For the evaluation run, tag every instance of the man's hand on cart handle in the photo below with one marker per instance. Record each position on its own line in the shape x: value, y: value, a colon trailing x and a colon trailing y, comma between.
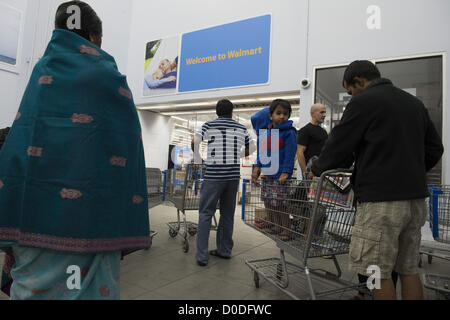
x: 256, y: 174
x: 284, y: 177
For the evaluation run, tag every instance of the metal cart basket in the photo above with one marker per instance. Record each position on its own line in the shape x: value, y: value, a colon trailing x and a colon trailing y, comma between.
x: 182, y: 189
x: 307, y: 219
x: 439, y: 214
x: 154, y: 187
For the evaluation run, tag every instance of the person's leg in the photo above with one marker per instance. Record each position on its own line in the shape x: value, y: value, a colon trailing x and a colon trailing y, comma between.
x: 387, y: 291
x: 209, y: 195
x: 409, y: 252
x: 412, y: 288
x: 395, y: 278
x: 375, y: 242
x: 225, y: 230
x: 42, y: 274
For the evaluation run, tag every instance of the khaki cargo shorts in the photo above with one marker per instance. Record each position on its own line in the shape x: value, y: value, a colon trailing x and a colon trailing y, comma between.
x: 388, y: 235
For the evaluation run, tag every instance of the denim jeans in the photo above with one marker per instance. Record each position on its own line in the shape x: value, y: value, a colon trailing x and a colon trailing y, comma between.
x: 211, y: 193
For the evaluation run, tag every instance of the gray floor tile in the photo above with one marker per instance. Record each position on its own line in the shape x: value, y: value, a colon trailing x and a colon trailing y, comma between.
x: 129, y: 291
x: 201, y: 287
x: 149, y: 296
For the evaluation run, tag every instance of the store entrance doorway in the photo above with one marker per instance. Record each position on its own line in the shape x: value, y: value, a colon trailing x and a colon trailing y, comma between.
x: 420, y: 76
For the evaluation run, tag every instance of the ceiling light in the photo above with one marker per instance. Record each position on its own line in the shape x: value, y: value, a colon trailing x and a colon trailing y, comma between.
x: 181, y: 119
x: 188, y: 112
x: 292, y: 97
x: 197, y: 104
x: 243, y: 100
x: 155, y: 107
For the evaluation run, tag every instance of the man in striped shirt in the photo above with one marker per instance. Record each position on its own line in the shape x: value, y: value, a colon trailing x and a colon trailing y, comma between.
x: 228, y: 142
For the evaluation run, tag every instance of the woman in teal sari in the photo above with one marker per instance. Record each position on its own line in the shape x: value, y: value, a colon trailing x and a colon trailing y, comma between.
x: 73, y: 192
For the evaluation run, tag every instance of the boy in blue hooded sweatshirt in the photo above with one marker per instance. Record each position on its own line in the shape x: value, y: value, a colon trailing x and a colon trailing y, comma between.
x: 275, y: 161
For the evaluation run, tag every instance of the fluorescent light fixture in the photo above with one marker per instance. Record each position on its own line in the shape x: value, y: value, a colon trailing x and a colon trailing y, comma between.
x: 154, y: 107
x: 180, y: 113
x: 292, y: 97
x: 295, y: 106
x: 181, y: 119
x: 243, y: 100
x: 180, y: 126
x: 197, y: 104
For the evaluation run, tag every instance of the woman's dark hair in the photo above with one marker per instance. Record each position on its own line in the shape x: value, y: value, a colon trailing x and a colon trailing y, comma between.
x: 360, y: 68
x: 225, y: 108
x: 3, y: 135
x: 90, y: 22
x: 282, y: 103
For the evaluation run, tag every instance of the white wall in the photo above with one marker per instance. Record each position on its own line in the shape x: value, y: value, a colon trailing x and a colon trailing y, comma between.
x: 116, y: 18
x: 38, y: 27
x: 154, y: 20
x: 339, y: 34
x: 156, y: 130
x: 10, y: 82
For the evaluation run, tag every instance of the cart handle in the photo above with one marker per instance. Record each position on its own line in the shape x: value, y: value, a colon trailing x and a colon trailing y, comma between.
x: 244, y: 187
x: 435, y: 206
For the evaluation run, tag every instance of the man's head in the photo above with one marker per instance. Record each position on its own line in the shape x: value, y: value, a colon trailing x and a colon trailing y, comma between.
x: 225, y: 108
x: 280, y: 111
x: 165, y: 66
x: 318, y: 114
x: 359, y: 75
x: 3, y: 135
x: 91, y: 25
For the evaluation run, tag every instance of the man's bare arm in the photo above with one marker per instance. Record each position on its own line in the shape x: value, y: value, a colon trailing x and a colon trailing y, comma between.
x: 301, y: 157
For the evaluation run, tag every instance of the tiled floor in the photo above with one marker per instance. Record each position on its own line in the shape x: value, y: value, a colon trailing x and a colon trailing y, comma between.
x: 165, y: 272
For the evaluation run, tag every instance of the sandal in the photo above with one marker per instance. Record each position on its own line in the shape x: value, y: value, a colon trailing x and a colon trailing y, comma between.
x: 216, y: 253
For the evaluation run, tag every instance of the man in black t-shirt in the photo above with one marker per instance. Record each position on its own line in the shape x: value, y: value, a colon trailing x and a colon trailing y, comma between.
x: 312, y: 138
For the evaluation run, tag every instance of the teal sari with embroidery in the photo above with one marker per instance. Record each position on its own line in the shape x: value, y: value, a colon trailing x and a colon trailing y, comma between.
x: 72, y: 173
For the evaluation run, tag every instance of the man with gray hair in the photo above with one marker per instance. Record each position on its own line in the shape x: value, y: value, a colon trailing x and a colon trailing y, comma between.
x: 312, y: 138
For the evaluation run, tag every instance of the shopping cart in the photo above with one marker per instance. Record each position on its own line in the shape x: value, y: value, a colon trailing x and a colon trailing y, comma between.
x: 154, y: 187
x: 439, y: 215
x: 182, y: 189
x: 307, y: 219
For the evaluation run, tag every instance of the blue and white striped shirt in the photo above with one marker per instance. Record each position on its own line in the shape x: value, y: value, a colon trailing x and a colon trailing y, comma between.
x: 227, y: 140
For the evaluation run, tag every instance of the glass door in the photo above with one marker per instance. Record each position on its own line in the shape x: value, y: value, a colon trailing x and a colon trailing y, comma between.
x: 422, y: 77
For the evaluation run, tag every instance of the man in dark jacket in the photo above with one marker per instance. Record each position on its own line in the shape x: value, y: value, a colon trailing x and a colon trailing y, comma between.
x: 395, y: 144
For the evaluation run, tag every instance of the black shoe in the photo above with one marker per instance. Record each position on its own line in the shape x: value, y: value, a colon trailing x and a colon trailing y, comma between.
x: 216, y: 253
x: 202, y: 264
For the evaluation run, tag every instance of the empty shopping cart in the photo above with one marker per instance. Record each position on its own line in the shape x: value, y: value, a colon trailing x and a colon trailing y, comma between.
x: 154, y: 187
x: 182, y: 189
x: 307, y: 219
x: 439, y: 216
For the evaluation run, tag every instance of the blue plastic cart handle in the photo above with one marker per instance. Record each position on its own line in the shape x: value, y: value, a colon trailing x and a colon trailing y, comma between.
x: 244, y: 187
x: 430, y: 215
x: 435, y: 198
x: 164, y: 185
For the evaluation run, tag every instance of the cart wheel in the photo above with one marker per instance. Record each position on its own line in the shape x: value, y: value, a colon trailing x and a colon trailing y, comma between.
x: 172, y: 233
x: 430, y: 259
x: 186, y: 247
x: 192, y: 232
x: 256, y: 279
